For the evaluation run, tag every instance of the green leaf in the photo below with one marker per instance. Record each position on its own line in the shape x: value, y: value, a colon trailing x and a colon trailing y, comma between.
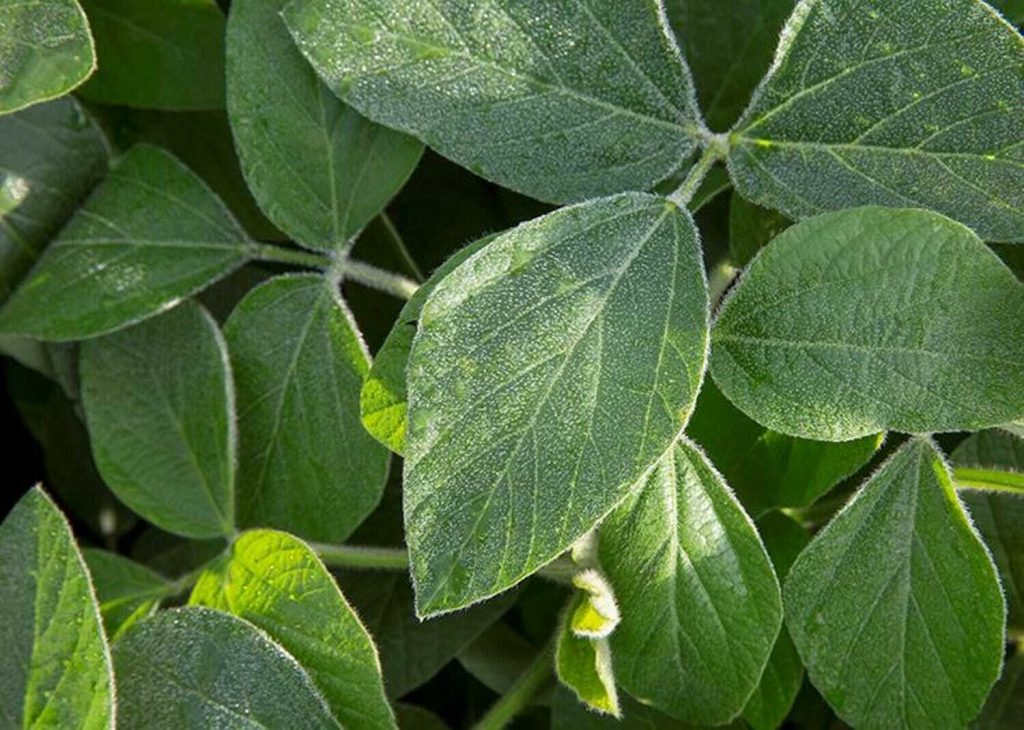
x: 768, y: 469
x: 56, y: 671
x: 162, y: 54
x: 277, y: 583
x: 578, y: 99
x: 319, y: 169
x: 870, y: 320
x: 45, y: 51
x: 568, y: 713
x: 1013, y: 10
x: 306, y: 465
x: 751, y: 228
x: 126, y: 590
x: 383, y: 401
x: 411, y: 651
x: 584, y: 665
x: 571, y: 348
x: 699, y: 599
x: 998, y: 516
x: 894, y: 606
x: 51, y: 156
x: 1005, y: 705
x: 498, y: 657
x: 729, y: 46
x: 160, y: 409
x: 904, y: 104
x: 151, y: 234
x: 196, y: 667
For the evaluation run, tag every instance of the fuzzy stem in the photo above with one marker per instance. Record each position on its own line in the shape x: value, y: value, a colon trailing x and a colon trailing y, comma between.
x: 524, y: 689
x: 367, y: 558
x: 379, y: 279
x: 717, y: 148
x: 282, y: 255
x: 990, y: 480
x: 403, y: 250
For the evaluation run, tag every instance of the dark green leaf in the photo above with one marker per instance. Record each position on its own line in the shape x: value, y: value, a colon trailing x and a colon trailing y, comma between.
x: 160, y: 409
x: 306, y: 464
x: 578, y: 99
x: 413, y: 717
x: 319, y: 169
x: 699, y: 599
x: 751, y: 228
x: 1013, y: 10
x: 1005, y: 705
x: 51, y: 156
x: 56, y: 667
x: 127, y: 591
x: 905, y: 104
x: 45, y: 51
x: 568, y: 713
x: 895, y: 606
x: 497, y: 657
x: 151, y: 234
x: 571, y: 348
x: 163, y: 54
x: 873, y: 319
x: 196, y: 667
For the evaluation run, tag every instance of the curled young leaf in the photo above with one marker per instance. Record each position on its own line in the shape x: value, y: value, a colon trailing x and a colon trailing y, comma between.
x: 584, y: 664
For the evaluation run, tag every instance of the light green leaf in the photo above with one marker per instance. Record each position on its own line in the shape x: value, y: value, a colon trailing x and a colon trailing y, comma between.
x: 584, y: 665
x: 768, y: 469
x: 383, y: 401
x: 51, y: 156
x: 998, y: 516
x: 870, y: 320
x: 578, y: 99
x: 1005, y: 705
x: 160, y: 409
x: 412, y: 651
x: 56, y: 667
x: 277, y: 583
x: 306, y: 464
x: 45, y: 51
x: 904, y: 104
x: 127, y: 591
x: 571, y: 349
x: 151, y: 234
x: 162, y: 54
x: 196, y: 667
x: 895, y: 607
x: 699, y: 599
x: 319, y: 169
x: 751, y: 228
x: 729, y: 46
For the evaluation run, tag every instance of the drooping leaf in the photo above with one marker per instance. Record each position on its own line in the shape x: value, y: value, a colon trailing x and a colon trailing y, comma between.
x: 196, y: 667
x: 729, y: 46
x: 45, y: 51
x: 584, y: 665
x: 768, y: 469
x: 895, y: 606
x: 163, y: 54
x: 383, y: 401
x: 275, y: 581
x: 904, y: 104
x: 578, y: 99
x: 412, y: 651
x: 126, y: 590
x: 56, y: 669
x: 998, y: 516
x: 1005, y: 705
x: 51, y: 156
x: 873, y: 319
x: 159, y: 405
x: 699, y: 599
x: 571, y: 348
x: 751, y: 228
x: 306, y: 464
x: 151, y: 234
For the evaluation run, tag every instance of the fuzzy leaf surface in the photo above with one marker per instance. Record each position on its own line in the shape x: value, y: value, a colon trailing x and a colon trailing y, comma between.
x: 127, y: 591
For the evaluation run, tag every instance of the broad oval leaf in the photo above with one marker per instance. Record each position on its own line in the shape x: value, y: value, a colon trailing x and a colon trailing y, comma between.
x: 904, y: 104
x: 578, y: 99
x: 895, y: 606
x: 159, y: 404
x: 571, y: 349
x: 56, y: 670
x: 699, y: 599
x: 45, y: 51
x: 162, y: 54
x: 196, y: 667
x: 151, y: 234
x: 51, y: 156
x: 584, y: 665
x: 870, y: 320
x: 127, y: 591
x: 276, y: 582
x: 317, y: 167
x: 306, y: 464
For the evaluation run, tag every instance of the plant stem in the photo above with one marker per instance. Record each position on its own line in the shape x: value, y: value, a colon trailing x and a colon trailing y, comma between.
x: 365, y: 557
x: 385, y: 281
x: 990, y: 480
x: 282, y: 255
x: 518, y: 696
x: 403, y: 250
x: 717, y: 148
